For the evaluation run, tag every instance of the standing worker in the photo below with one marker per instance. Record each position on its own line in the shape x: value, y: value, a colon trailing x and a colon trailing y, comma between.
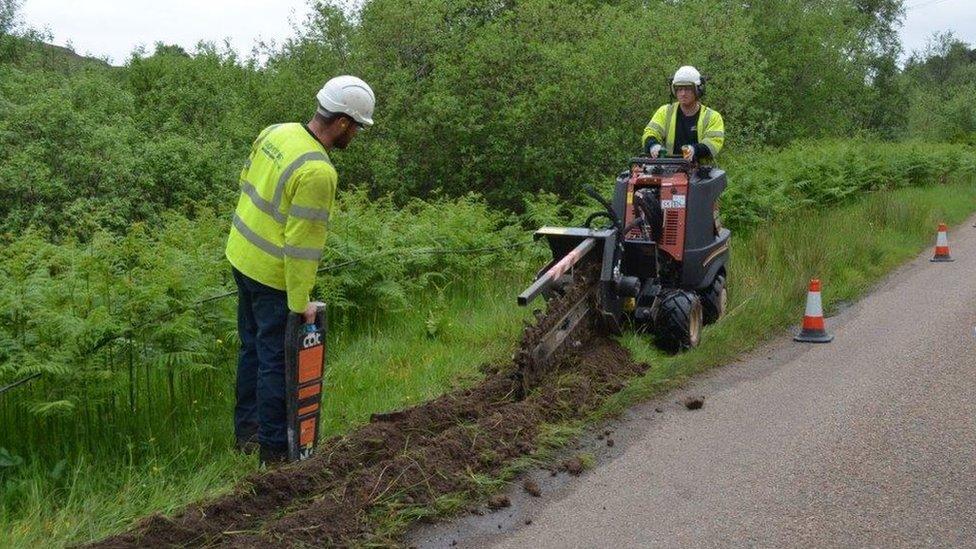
x: 288, y: 187
x: 695, y: 130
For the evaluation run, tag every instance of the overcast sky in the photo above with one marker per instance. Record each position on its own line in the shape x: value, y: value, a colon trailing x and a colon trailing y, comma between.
x: 114, y: 27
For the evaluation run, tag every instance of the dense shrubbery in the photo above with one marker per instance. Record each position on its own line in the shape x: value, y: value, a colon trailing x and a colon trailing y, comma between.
x: 512, y: 97
x: 75, y: 157
x: 502, y: 100
x: 497, y: 98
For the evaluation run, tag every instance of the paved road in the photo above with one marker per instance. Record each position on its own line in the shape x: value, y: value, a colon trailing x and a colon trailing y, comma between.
x: 867, y: 441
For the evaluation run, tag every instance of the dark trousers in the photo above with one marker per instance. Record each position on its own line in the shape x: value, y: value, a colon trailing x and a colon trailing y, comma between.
x: 262, y: 312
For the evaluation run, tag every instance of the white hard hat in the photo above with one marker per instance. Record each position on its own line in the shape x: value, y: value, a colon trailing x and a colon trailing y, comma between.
x: 347, y: 95
x: 686, y: 75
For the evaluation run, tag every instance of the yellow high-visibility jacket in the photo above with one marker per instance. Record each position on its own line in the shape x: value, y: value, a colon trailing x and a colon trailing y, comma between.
x: 710, y: 128
x: 288, y: 188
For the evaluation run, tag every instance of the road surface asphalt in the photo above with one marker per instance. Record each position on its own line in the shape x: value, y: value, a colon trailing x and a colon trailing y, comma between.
x: 866, y: 441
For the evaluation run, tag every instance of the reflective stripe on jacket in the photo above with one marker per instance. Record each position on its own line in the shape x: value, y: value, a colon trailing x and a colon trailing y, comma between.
x: 710, y: 128
x: 288, y: 188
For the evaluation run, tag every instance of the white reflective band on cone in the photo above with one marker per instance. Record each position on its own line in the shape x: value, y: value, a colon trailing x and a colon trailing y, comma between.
x: 814, y: 307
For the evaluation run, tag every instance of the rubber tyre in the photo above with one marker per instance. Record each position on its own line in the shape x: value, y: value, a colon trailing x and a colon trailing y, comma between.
x: 679, y: 320
x: 714, y: 300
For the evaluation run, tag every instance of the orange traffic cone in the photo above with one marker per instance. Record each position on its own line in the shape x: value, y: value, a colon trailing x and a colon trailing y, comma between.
x: 942, y: 246
x: 813, y: 320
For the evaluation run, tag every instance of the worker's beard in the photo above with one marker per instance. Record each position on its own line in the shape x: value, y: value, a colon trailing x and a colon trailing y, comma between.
x: 343, y: 140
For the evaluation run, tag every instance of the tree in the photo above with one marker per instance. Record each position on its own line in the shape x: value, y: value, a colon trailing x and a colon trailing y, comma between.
x: 9, y: 10
x: 887, y: 97
x: 8, y: 24
x: 942, y: 83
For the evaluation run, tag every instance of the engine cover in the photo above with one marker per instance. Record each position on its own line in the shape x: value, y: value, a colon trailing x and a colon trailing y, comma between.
x: 673, y: 195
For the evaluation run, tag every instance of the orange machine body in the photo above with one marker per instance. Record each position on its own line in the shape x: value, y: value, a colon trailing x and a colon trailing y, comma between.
x: 674, y: 195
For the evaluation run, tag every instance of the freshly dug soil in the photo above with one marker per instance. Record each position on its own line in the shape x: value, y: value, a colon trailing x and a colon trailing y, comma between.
x: 398, y: 462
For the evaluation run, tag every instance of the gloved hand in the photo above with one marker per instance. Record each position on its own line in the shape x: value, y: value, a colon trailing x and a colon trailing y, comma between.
x: 310, y: 310
x: 656, y: 150
x: 688, y: 152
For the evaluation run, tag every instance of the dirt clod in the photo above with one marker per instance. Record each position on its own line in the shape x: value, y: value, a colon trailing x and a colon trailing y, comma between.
x: 532, y: 488
x: 528, y: 521
x: 658, y: 410
x: 387, y: 416
x: 498, y: 501
x: 573, y: 466
x: 610, y: 442
x: 694, y: 403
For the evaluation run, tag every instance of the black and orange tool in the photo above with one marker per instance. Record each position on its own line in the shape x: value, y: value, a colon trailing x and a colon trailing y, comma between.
x: 304, y: 372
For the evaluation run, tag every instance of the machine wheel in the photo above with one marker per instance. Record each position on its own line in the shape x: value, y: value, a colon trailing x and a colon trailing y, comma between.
x: 714, y: 300
x: 679, y: 319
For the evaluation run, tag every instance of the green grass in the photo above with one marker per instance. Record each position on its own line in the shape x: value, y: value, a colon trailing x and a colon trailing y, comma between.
x: 438, y: 343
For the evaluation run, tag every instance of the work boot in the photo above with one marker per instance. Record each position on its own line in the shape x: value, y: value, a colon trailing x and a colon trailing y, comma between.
x: 270, y: 456
x: 247, y: 445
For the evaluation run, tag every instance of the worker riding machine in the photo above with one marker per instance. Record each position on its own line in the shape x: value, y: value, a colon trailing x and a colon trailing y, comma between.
x: 653, y: 259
